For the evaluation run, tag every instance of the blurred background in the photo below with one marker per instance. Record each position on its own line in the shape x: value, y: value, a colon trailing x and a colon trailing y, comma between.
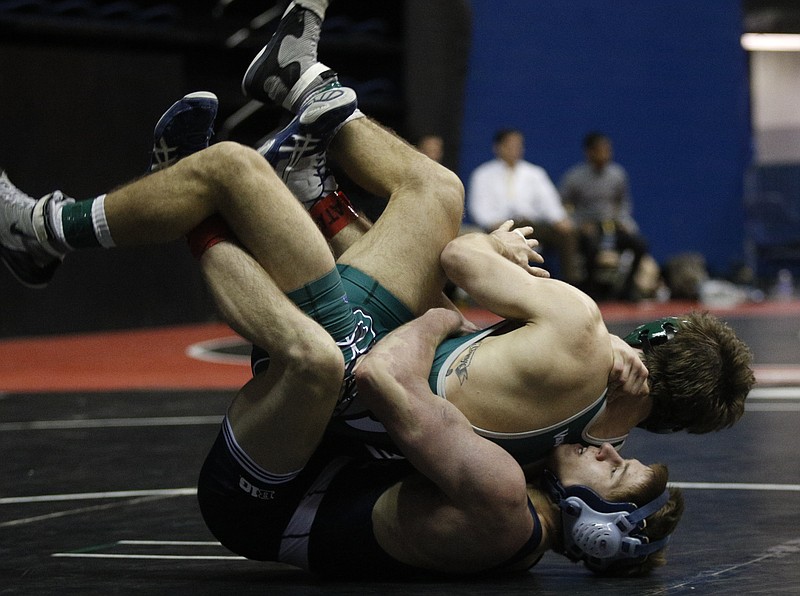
x: 708, y: 130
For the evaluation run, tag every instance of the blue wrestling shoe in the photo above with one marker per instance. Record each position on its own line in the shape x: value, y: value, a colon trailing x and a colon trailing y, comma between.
x: 33, y: 263
x: 297, y: 152
x: 185, y: 128
x: 286, y: 71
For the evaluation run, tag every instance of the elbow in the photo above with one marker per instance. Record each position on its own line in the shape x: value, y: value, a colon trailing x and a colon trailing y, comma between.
x: 368, y: 377
x: 509, y: 518
x: 452, y: 256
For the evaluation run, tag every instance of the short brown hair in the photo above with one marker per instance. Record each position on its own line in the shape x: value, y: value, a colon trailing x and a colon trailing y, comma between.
x: 699, y: 379
x: 658, y: 525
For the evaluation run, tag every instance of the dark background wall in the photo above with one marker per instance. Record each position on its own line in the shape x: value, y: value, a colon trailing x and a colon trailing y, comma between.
x: 83, y: 83
x: 666, y: 80
x: 80, y: 120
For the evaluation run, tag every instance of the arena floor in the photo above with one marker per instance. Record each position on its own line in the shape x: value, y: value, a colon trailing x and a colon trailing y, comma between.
x: 103, y: 436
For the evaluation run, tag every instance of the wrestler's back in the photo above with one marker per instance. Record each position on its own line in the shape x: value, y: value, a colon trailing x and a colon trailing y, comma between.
x: 529, y: 377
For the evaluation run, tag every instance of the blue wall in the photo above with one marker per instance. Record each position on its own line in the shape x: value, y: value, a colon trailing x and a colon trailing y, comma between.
x: 666, y: 79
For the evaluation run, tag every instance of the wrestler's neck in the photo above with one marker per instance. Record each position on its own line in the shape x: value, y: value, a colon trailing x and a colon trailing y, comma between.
x: 621, y: 414
x: 549, y: 518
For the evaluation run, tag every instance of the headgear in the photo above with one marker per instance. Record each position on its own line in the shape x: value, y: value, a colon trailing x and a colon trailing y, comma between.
x: 646, y: 337
x: 600, y: 533
x: 654, y: 333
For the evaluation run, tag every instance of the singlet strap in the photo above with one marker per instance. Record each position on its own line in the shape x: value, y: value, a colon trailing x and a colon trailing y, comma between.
x: 530, y: 546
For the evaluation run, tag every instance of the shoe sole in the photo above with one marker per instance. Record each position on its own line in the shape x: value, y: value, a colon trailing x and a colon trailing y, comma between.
x: 35, y: 282
x: 316, y: 120
x: 337, y: 104
x: 199, y: 99
x: 168, y: 115
x: 250, y: 88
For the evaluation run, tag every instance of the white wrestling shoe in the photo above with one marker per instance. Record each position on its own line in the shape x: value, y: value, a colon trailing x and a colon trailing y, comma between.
x: 298, y: 151
x: 22, y: 223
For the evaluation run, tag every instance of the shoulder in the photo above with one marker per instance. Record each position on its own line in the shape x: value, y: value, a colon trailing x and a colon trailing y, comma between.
x: 617, y: 170
x: 533, y: 171
x: 487, y: 166
x: 574, y: 173
x: 568, y: 318
x: 531, y: 167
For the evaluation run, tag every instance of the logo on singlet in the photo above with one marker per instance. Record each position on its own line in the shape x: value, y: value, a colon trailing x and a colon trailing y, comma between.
x: 560, y: 437
x: 254, y: 491
x: 358, y: 343
x: 362, y: 338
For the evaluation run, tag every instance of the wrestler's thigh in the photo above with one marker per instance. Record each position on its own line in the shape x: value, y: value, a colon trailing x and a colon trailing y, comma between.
x: 279, y: 416
x: 278, y: 420
x: 401, y: 251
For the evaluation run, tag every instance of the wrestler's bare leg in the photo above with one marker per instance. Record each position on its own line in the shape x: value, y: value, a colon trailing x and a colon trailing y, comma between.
x: 401, y: 250
x: 237, y: 183
x: 279, y: 416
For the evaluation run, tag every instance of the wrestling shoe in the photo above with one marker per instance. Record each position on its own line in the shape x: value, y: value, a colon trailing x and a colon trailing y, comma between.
x: 286, y: 71
x: 31, y: 262
x: 297, y: 152
x: 185, y: 128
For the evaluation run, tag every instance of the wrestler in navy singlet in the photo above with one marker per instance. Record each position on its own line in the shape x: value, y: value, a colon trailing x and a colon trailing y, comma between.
x: 319, y: 520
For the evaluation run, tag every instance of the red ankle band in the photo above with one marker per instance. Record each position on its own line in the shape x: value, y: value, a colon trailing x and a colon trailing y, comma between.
x: 208, y: 232
x: 332, y: 213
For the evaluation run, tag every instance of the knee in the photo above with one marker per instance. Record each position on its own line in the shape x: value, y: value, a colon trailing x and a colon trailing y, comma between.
x: 315, y: 360
x: 224, y: 164
x: 440, y: 187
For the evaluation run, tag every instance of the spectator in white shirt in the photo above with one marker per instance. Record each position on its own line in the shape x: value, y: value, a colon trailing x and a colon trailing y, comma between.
x: 508, y: 187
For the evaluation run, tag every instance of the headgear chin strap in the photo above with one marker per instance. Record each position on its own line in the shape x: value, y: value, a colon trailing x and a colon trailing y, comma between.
x: 600, y: 533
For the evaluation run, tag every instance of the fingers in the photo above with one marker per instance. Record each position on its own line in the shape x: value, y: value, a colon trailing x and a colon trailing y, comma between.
x: 449, y: 321
x: 524, y: 231
x: 508, y: 226
x: 538, y: 271
x: 535, y: 257
x: 619, y: 369
x: 628, y: 376
x: 505, y: 226
x: 639, y: 377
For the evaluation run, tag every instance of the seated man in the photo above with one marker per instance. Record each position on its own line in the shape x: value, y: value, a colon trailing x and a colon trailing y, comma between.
x: 598, y: 196
x: 389, y: 273
x: 509, y: 187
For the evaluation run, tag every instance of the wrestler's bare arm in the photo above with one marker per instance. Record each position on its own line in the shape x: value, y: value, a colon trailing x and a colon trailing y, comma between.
x: 494, y: 270
x: 477, y: 494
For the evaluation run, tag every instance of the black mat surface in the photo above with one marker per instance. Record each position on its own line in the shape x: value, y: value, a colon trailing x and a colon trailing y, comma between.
x: 97, y: 498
